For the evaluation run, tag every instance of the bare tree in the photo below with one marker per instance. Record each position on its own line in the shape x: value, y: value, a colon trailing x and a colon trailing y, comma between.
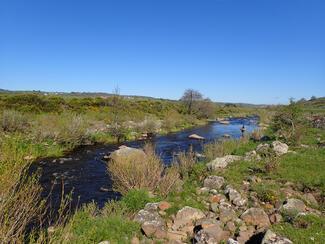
x: 117, y: 128
x: 190, y: 99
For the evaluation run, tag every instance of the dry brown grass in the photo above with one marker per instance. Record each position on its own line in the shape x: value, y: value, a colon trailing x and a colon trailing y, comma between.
x: 185, y: 162
x: 141, y: 172
x: 20, y: 208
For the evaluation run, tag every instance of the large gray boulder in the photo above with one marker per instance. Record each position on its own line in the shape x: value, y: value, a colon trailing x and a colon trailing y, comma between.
x: 222, y: 162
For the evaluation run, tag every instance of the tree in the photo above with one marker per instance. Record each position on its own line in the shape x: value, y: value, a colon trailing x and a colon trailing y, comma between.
x: 190, y: 99
x: 206, y: 109
x: 116, y: 127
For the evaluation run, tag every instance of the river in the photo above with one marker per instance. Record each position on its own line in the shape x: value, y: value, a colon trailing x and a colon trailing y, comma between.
x: 83, y: 171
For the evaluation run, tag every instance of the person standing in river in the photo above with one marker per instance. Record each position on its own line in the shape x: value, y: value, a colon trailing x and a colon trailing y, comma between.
x: 242, y: 129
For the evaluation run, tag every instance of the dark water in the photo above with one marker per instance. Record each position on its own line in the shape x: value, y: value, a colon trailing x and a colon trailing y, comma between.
x: 84, y: 172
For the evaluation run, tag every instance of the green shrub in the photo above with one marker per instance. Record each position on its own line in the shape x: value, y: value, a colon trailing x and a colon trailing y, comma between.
x: 136, y: 199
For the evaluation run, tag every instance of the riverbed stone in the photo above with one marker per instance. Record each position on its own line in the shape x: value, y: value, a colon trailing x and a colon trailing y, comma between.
x: 125, y: 152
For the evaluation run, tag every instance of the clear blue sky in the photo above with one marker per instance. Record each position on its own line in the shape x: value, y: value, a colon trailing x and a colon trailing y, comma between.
x: 258, y: 51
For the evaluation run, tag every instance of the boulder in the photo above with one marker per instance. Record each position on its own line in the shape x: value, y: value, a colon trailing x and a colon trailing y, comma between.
x: 212, y: 234
x: 164, y: 206
x: 226, y: 213
x: 256, y: 217
x: 154, y: 229
x: 252, y: 155
x: 222, y: 162
x: 279, y: 148
x: 214, y: 182
x: 196, y: 137
x: 263, y: 149
x: 125, y: 152
x: 293, y: 206
x: 235, y: 197
x: 146, y: 216
x: 310, y: 199
x: 186, y: 216
x: 271, y: 238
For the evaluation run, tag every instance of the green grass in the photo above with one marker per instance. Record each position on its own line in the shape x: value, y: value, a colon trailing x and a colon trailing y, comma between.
x: 87, y: 227
x: 306, y: 167
x: 304, y: 230
x: 187, y: 197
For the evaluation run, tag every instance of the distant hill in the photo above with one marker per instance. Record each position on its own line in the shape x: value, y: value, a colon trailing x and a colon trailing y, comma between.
x: 104, y: 95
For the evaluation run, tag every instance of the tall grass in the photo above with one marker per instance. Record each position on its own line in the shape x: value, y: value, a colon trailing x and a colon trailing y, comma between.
x: 140, y: 172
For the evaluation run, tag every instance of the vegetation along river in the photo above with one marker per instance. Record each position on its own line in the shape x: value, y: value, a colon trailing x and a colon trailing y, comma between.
x: 84, y: 172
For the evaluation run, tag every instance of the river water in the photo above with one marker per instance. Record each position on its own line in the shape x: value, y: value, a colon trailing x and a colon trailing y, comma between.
x: 83, y: 171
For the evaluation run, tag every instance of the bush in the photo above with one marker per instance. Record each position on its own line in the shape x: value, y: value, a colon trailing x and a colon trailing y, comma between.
x: 185, y: 162
x: 13, y: 121
x: 219, y: 148
x: 19, y: 208
x: 136, y: 199
x: 137, y: 172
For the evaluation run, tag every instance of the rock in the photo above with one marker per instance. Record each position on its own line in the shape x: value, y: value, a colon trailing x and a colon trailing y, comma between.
x: 275, y: 218
x: 124, y: 152
x: 222, y: 162
x: 231, y: 227
x: 164, y: 206
x: 293, y: 206
x: 186, y: 216
x: 176, y: 236
x: 154, y: 229
x: 214, y: 182
x: 252, y: 155
x: 224, y: 122
x: 279, y: 148
x: 245, y: 235
x: 215, y: 198
x: 271, y: 238
x: 263, y: 149
x: 226, y: 136
x: 214, y: 207
x: 310, y: 199
x: 226, y: 213
x: 103, y: 189
x: 256, y: 217
x: 207, y: 222
x: 146, y: 216
x: 213, y: 234
x: 232, y: 241
x: 196, y: 137
x: 152, y: 207
x: 104, y: 242
x: 235, y: 197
